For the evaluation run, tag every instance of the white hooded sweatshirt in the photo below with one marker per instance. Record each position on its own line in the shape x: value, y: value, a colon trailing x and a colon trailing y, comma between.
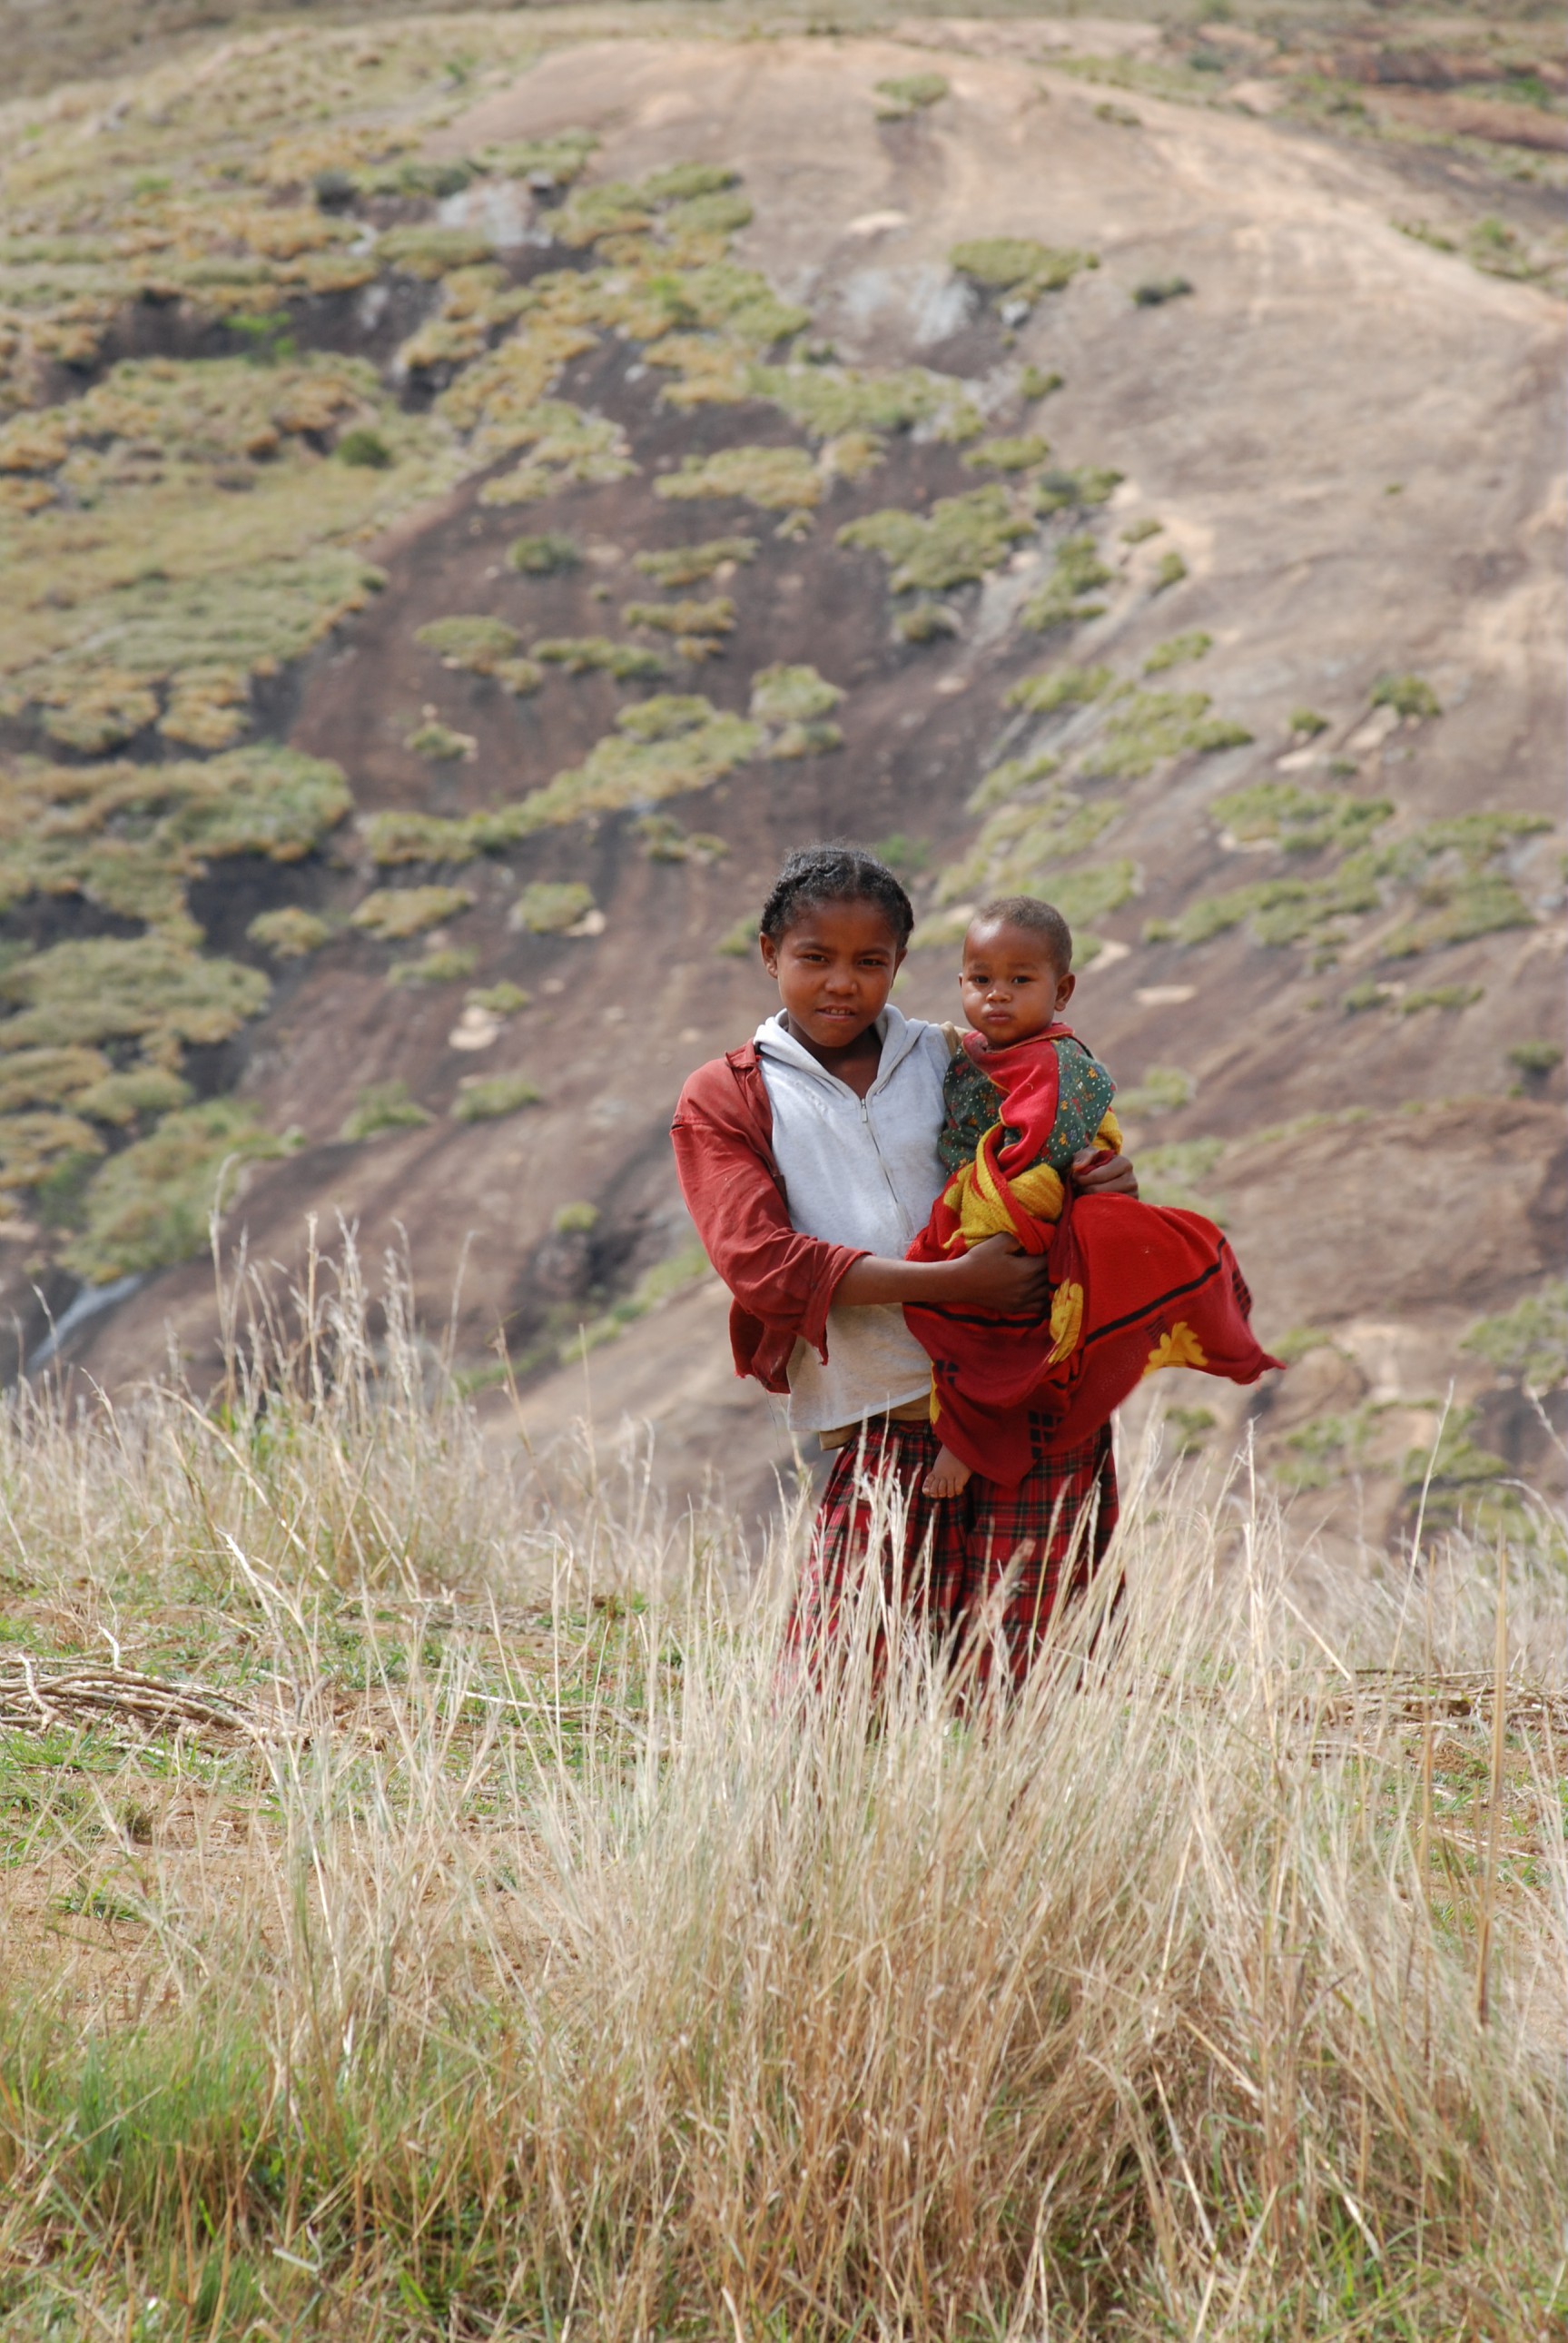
x: 862, y: 1172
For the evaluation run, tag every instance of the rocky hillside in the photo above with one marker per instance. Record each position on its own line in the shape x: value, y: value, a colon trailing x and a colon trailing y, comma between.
x: 472, y: 495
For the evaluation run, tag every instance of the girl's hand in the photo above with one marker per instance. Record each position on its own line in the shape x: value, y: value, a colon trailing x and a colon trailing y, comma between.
x: 1095, y: 1173
x: 998, y: 1274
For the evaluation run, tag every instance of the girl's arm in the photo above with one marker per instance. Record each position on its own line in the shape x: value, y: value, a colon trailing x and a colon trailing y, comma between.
x: 995, y: 1275
x: 789, y: 1280
x: 780, y: 1277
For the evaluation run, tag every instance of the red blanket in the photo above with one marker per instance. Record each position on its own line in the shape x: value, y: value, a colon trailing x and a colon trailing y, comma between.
x: 1134, y: 1287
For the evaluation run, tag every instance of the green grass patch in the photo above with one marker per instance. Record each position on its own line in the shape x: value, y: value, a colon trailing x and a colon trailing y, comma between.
x: 1143, y: 729
x: 288, y: 933
x: 150, y: 1205
x: 477, y: 644
x: 1017, y: 267
x: 448, y: 964
x: 960, y: 540
x: 1076, y: 569
x: 392, y: 914
x: 1054, y: 492
x: 689, y: 565
x: 661, y: 748
x: 1527, y: 1345
x: 908, y: 93
x: 1303, y: 821
x: 548, y: 906
x: 1061, y: 687
x: 597, y: 655
x: 384, y: 1106
x: 550, y: 553
x: 485, y: 1098
x: 1178, y: 650
x: 1407, y: 695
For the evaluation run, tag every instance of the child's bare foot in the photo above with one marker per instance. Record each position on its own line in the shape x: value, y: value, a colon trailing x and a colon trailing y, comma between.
x: 947, y: 1476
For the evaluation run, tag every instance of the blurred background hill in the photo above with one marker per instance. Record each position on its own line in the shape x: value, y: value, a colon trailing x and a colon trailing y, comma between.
x: 475, y: 488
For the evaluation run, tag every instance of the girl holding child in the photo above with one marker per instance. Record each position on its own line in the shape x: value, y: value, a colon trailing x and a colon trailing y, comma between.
x: 867, y: 1225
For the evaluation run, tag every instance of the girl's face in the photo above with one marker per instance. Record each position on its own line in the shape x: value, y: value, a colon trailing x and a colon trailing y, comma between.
x: 834, y: 967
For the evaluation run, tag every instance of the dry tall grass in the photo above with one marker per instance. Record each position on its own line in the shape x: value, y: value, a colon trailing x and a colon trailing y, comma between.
x: 548, y: 1963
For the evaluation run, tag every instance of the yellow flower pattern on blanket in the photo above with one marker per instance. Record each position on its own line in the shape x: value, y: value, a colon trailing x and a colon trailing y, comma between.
x: 1066, y: 1322
x: 1179, y: 1348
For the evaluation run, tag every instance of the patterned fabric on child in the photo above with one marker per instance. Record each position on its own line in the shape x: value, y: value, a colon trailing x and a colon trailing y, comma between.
x: 1134, y: 1287
x: 974, y: 1106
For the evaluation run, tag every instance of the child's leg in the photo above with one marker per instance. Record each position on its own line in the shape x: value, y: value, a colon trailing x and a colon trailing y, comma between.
x: 948, y: 1476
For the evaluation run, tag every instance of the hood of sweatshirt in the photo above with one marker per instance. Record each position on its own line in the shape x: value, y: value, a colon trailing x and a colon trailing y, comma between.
x: 900, y: 1034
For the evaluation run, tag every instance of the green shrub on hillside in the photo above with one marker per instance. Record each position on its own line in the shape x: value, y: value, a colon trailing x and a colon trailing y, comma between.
x: 926, y: 621
x: 1164, y: 1089
x: 1303, y: 821
x: 1061, y: 687
x: 1007, y: 780
x: 957, y: 541
x: 150, y: 1205
x: 1076, y: 569
x: 789, y: 695
x: 49, y: 1077
x: 130, y: 836
x: 147, y: 989
x: 384, y: 1106
x: 547, y: 555
x: 1178, y: 650
x: 1019, y: 453
x: 595, y: 654
x: 679, y: 182
x: 795, y: 699
x: 661, y: 748
x: 1057, y: 491
x: 1527, y: 1345
x: 1023, y: 847
x: 288, y: 933
x: 689, y: 565
x: 479, y: 644
x: 683, y: 618
x: 1017, y: 267
x: 833, y: 402
x: 364, y: 446
x: 908, y: 93
x: 775, y: 479
x: 549, y: 907
x: 448, y: 965
x: 1144, y: 727
x: 429, y: 251
x: 208, y: 707
x: 485, y: 1098
x: 1407, y: 695
x: 439, y: 743
x: 393, y: 914
x: 564, y: 445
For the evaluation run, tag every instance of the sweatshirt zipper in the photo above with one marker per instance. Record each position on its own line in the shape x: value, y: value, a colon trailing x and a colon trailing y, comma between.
x: 881, y: 1162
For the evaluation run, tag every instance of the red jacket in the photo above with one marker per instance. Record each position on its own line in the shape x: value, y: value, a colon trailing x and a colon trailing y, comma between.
x: 783, y: 1282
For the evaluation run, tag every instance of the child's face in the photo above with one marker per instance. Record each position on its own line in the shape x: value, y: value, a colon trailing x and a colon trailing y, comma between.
x: 835, y: 968
x: 1012, y: 988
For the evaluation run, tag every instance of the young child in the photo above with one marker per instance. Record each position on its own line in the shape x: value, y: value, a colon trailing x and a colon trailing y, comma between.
x: 1134, y: 1287
x: 809, y: 1159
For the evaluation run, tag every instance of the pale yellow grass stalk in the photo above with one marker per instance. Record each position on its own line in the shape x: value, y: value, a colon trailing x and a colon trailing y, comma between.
x: 597, y: 1967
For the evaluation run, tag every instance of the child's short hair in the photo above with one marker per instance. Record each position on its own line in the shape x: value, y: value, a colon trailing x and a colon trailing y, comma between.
x: 835, y: 873
x: 1042, y: 920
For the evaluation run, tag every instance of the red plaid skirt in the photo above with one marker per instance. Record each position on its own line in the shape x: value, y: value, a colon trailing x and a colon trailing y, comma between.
x: 983, y: 1571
